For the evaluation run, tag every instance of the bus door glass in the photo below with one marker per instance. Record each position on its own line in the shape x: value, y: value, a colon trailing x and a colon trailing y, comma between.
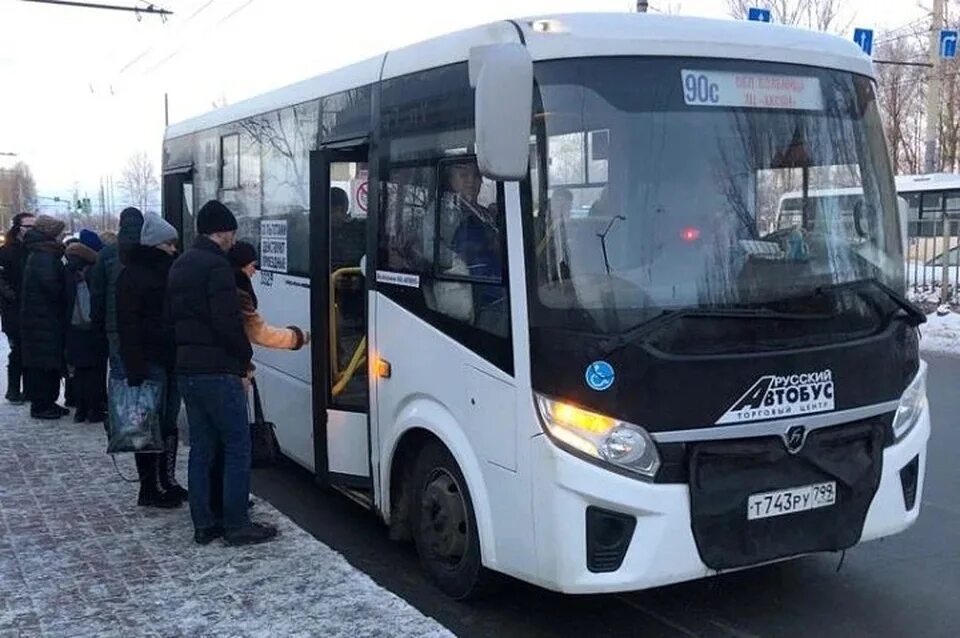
x: 178, y: 200
x: 339, y: 187
x: 348, y: 232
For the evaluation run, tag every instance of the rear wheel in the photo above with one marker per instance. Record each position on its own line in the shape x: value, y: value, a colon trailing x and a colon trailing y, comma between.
x: 445, y: 527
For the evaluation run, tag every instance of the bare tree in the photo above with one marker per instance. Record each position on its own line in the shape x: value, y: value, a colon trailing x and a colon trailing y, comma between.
x: 822, y: 15
x: 18, y: 192
x: 901, y: 90
x: 138, y: 182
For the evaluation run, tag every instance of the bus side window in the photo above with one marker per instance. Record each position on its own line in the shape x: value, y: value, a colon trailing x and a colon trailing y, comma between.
x: 455, y: 242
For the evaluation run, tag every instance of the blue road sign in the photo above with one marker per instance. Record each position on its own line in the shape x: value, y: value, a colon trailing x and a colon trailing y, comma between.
x: 948, y: 43
x: 758, y: 15
x: 864, y: 37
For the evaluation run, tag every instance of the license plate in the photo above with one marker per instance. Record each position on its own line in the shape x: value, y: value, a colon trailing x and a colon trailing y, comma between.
x: 791, y: 500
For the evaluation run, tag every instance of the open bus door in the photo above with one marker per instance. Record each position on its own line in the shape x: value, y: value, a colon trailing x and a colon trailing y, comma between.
x: 338, y: 316
x: 178, y: 198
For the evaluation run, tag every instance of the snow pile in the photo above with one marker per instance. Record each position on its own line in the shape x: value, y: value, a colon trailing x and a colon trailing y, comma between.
x: 79, y: 558
x: 941, y: 333
x: 924, y: 294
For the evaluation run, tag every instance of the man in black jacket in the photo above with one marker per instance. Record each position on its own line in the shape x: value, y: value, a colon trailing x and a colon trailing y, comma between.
x: 13, y: 256
x: 213, y: 356
x: 43, y: 317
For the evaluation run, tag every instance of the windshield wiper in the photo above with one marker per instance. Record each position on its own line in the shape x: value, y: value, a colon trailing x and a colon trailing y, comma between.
x: 645, y: 328
x: 915, y: 315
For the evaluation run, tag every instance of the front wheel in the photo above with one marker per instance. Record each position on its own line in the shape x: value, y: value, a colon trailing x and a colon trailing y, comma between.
x: 445, y: 527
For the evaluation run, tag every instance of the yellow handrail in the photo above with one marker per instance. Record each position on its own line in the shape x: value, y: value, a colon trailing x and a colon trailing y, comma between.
x: 359, y: 356
x: 335, y: 276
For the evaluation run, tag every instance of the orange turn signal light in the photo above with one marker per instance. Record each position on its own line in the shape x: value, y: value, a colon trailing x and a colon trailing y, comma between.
x: 572, y: 416
x: 381, y: 368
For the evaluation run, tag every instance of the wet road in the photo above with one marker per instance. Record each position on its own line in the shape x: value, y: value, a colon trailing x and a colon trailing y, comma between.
x: 908, y: 585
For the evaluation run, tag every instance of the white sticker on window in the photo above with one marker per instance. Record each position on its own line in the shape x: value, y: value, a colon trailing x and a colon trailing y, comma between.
x: 751, y: 90
x: 273, y: 245
x: 398, y: 278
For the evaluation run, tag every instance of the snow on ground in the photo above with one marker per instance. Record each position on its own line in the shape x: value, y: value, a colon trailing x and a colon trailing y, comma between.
x: 79, y: 558
x: 941, y: 333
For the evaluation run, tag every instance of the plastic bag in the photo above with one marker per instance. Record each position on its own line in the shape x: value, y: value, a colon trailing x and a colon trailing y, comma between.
x: 135, y: 416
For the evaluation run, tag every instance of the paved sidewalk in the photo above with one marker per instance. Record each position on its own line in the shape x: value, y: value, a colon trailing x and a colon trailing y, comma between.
x: 79, y: 558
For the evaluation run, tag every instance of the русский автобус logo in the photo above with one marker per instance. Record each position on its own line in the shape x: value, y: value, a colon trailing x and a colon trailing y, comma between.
x: 774, y: 397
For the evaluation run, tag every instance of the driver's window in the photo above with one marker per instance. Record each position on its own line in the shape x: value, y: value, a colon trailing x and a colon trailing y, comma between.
x: 470, y: 229
x: 469, y: 274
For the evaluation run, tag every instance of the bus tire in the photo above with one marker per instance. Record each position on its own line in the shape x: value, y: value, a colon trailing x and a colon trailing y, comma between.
x: 444, y: 525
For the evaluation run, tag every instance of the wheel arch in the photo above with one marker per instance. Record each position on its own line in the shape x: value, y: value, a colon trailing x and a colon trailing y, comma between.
x: 419, y: 423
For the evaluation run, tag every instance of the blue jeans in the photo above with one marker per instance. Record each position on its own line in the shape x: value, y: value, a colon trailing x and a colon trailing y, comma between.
x: 217, y: 412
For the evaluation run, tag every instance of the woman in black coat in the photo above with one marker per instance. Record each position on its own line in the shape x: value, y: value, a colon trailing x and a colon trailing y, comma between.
x: 148, y: 350
x: 43, y: 317
x: 13, y: 255
x: 86, y: 346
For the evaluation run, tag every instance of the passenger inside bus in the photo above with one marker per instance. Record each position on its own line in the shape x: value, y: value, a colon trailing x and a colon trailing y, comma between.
x: 602, y: 207
x: 347, y: 234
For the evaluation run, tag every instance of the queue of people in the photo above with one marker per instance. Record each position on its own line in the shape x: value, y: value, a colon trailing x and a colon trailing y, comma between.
x: 72, y: 311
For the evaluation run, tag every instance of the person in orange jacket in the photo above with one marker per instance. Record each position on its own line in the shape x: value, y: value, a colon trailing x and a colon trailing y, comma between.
x: 243, y: 257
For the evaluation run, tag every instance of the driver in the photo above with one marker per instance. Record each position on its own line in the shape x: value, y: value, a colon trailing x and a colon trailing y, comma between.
x: 476, y: 240
x: 477, y: 247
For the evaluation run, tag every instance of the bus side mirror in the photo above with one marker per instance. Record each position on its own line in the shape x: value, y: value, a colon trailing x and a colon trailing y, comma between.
x: 903, y: 211
x: 502, y: 75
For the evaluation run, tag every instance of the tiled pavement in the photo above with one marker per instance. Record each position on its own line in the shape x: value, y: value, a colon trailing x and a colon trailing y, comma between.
x: 79, y: 558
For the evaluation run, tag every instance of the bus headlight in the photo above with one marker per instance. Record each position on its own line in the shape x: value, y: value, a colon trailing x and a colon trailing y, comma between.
x: 616, y: 442
x: 912, y: 404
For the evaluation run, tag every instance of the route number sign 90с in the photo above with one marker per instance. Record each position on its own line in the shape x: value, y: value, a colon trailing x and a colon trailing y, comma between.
x: 698, y: 89
x: 751, y: 90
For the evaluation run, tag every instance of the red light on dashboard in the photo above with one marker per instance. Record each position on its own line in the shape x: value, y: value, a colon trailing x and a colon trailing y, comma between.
x: 690, y: 234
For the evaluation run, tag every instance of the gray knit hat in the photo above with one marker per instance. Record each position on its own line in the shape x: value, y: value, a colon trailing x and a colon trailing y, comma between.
x: 156, y: 230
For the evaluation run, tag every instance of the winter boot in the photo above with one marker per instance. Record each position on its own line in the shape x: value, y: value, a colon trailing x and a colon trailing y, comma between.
x: 48, y: 413
x: 80, y: 414
x: 150, y: 493
x: 250, y: 534
x: 69, y: 392
x: 14, y: 395
x: 168, y: 467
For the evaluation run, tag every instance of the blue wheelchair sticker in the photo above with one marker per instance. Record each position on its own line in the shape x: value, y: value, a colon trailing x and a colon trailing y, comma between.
x: 600, y: 375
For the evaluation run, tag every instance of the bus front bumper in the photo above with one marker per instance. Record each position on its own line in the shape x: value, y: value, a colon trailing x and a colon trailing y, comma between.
x: 661, y: 548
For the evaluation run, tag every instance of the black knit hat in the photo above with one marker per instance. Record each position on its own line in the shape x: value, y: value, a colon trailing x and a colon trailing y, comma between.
x: 241, y: 254
x: 214, y: 217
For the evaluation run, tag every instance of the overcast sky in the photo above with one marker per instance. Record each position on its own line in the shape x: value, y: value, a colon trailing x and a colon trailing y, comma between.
x: 80, y: 89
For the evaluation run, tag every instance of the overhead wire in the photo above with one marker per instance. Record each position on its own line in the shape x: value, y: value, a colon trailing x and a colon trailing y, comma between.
x: 206, y: 29
x: 181, y: 26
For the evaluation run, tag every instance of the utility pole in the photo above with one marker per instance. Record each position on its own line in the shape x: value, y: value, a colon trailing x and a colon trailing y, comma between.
x: 933, y: 90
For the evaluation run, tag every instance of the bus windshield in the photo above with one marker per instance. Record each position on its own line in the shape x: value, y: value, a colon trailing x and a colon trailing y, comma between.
x: 664, y: 184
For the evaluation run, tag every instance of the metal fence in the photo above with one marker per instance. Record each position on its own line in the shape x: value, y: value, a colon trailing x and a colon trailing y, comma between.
x: 933, y: 260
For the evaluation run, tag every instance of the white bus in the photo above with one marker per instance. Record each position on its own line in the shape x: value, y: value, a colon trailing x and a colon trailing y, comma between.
x: 932, y: 200
x: 551, y: 337
x: 929, y: 198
